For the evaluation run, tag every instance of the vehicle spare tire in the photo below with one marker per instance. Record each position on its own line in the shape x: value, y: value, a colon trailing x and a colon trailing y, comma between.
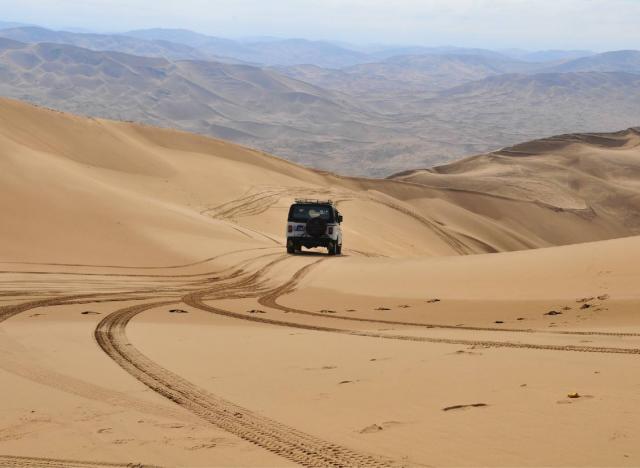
x: 316, y: 227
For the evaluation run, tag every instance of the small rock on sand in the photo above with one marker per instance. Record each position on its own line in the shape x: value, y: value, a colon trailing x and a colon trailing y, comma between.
x: 383, y: 308
x: 256, y: 311
x: 553, y: 312
x: 573, y: 395
x: 585, y: 306
x: 432, y: 301
x: 90, y: 312
x: 178, y: 311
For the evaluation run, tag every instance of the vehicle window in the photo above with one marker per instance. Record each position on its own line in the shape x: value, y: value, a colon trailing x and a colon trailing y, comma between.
x: 303, y: 213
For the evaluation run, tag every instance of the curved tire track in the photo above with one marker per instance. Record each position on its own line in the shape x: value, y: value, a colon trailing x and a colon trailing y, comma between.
x: 278, y: 438
x: 196, y: 299
x: 271, y: 300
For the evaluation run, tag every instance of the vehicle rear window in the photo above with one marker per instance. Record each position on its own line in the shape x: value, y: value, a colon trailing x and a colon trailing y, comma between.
x: 302, y: 213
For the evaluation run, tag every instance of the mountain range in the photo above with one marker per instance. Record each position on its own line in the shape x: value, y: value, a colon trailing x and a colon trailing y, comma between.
x: 342, y: 112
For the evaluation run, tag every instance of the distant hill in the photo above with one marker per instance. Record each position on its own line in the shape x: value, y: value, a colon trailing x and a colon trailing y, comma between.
x: 553, y: 55
x: 508, y: 108
x: 620, y: 60
x: 267, y: 52
x: 408, y: 73
x: 113, y: 42
x: 388, y: 52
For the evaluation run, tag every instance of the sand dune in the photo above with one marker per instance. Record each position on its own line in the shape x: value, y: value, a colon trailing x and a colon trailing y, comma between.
x: 100, y: 191
x: 149, y: 314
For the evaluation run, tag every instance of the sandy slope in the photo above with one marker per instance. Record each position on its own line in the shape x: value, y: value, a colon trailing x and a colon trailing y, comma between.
x: 148, y: 313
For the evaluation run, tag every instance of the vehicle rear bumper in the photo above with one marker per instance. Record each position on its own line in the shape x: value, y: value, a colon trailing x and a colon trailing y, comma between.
x: 309, y: 242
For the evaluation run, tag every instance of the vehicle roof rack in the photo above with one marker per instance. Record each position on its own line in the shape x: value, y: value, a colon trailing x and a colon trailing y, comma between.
x: 314, y: 201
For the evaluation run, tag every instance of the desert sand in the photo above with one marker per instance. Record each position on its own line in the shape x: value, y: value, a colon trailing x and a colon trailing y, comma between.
x: 483, y: 313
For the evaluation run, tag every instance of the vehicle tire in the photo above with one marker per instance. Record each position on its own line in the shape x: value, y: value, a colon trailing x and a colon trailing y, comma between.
x: 339, y: 249
x: 332, y: 248
x: 291, y: 250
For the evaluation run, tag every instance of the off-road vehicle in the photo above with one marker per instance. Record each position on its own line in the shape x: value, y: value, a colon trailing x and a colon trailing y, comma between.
x: 314, y: 223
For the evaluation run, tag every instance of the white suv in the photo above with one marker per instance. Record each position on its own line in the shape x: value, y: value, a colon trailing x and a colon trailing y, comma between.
x: 314, y: 223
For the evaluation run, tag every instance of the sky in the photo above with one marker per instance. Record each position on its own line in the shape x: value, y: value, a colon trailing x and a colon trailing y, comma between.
x: 499, y: 24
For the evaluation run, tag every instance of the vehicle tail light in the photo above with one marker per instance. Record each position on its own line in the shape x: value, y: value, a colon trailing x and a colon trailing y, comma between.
x: 330, y: 230
x: 290, y: 228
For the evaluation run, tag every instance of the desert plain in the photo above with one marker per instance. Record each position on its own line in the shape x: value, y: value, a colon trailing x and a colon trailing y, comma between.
x: 483, y: 313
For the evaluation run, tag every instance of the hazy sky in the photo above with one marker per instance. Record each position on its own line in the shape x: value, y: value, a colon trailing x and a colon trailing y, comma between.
x: 592, y: 24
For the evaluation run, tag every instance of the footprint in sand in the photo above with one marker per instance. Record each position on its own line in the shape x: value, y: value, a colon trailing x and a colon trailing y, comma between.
x: 383, y: 308
x: 178, y: 311
x: 122, y: 441
x: 90, y: 312
x: 171, y: 425
x: 320, y: 368
x: 433, y: 301
x: 203, y: 446
x: 327, y: 311
x: 371, y: 429
x: 585, y: 299
x: 256, y: 311
x: 379, y: 427
x: 462, y: 351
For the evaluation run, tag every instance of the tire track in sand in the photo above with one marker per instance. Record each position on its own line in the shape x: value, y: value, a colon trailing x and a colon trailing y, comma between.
x: 271, y: 435
x: 36, y: 462
x: 69, y: 384
x: 11, y: 362
x: 196, y: 300
x: 271, y: 300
